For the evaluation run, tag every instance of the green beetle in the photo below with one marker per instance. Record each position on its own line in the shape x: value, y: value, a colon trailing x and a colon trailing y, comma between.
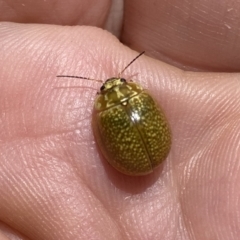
x: 129, y: 127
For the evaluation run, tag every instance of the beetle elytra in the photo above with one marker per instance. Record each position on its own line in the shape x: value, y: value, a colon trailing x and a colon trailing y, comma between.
x: 130, y: 128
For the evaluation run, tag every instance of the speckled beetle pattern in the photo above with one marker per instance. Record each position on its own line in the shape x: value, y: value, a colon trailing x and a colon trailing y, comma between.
x: 130, y: 128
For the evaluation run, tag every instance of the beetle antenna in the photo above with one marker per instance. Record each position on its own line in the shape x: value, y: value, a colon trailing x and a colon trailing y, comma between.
x: 140, y: 54
x: 68, y: 76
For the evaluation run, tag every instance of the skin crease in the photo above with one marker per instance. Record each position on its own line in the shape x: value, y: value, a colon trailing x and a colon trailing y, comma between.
x: 55, y: 185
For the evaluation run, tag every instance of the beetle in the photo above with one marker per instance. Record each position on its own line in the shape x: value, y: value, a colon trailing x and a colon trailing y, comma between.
x: 129, y: 126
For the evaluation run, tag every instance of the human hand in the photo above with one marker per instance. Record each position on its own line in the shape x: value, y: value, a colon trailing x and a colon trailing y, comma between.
x: 54, y: 184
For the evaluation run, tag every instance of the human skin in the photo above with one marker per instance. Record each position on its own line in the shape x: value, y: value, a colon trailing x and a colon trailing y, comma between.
x: 55, y: 184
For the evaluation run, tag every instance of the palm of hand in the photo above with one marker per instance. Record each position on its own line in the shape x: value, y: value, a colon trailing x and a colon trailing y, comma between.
x: 53, y: 184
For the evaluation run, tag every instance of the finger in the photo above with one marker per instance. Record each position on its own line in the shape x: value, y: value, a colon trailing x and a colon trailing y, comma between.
x: 47, y: 147
x: 188, y: 34
x: 52, y: 176
x: 58, y: 182
x: 72, y: 12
